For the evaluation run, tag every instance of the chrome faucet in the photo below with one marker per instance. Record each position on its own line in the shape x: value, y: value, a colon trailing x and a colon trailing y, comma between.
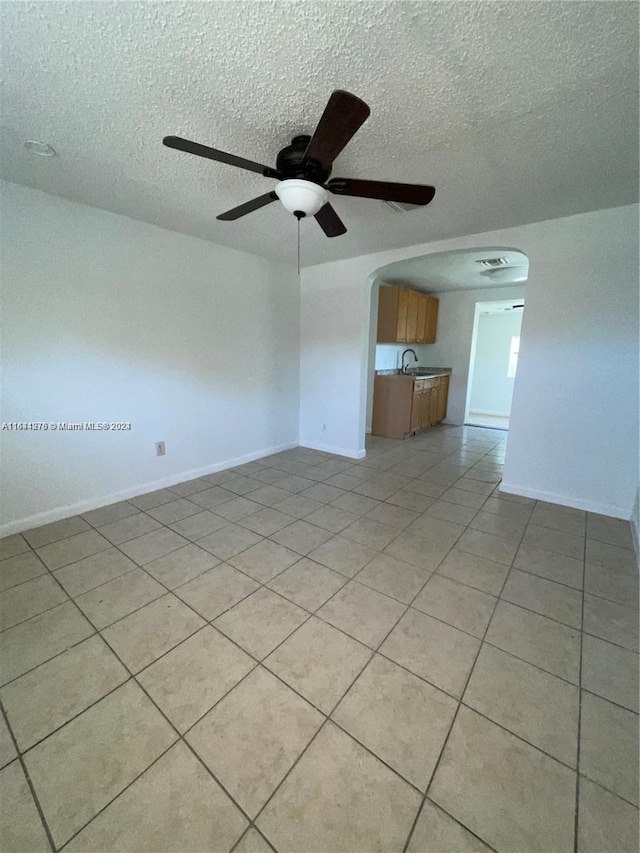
x: 415, y: 358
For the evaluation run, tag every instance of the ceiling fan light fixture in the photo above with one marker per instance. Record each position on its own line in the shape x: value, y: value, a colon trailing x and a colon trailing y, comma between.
x: 298, y: 196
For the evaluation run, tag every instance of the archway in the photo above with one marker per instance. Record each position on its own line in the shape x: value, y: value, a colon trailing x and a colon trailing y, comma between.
x: 459, y: 279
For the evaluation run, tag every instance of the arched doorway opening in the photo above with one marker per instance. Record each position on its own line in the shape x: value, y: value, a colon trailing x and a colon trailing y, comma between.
x: 459, y: 280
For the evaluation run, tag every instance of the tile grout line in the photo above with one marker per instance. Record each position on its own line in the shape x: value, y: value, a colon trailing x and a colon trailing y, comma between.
x: 261, y: 662
x: 347, y: 580
x: 245, y: 834
x: 329, y: 717
x: 576, y: 827
x: 170, y: 723
x: 180, y: 735
x: 173, y: 590
x: 176, y: 730
x: 116, y: 547
x: 453, y: 721
x: 27, y: 777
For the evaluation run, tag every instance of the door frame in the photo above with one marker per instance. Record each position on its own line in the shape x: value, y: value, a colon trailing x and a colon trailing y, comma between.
x: 474, y: 340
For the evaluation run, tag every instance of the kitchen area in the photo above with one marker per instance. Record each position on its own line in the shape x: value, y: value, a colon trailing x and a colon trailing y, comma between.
x: 408, y: 399
x: 422, y: 338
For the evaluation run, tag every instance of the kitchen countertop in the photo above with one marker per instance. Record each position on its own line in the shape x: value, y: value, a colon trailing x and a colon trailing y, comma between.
x: 418, y: 373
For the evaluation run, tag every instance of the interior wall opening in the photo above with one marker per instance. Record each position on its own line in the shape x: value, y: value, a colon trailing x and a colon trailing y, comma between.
x: 493, y: 364
x: 422, y: 325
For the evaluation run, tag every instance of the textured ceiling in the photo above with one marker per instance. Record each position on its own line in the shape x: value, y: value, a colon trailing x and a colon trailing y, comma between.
x: 458, y: 270
x: 516, y: 112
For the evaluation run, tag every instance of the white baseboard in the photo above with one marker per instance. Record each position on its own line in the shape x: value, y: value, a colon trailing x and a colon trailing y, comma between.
x: 489, y: 412
x: 566, y: 500
x: 635, y: 536
x: 337, y: 451
x: 61, y: 512
x: 635, y: 527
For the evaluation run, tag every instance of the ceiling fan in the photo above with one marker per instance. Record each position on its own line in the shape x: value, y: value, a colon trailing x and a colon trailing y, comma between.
x: 303, y: 169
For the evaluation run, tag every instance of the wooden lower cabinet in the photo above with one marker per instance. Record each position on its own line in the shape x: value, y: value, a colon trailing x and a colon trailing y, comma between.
x: 442, y: 398
x: 429, y: 403
x: 403, y: 406
x: 416, y: 410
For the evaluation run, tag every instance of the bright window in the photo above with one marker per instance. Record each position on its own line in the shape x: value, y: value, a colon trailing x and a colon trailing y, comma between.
x: 513, y: 356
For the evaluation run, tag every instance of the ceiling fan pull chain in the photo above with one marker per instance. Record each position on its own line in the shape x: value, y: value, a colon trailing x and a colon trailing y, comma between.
x: 298, y: 247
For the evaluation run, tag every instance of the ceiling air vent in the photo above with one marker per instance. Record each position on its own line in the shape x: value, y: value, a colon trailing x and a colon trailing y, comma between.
x: 492, y: 263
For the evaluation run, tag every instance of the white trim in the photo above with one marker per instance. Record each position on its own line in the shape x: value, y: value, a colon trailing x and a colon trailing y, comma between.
x: 635, y: 536
x: 337, y: 451
x: 59, y: 513
x: 634, y: 521
x: 566, y: 500
x: 472, y: 356
x: 487, y: 412
x: 472, y: 361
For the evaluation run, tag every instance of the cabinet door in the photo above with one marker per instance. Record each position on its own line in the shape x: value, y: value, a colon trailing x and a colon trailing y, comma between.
x: 416, y: 411
x: 403, y: 307
x: 424, y: 408
x: 443, y: 395
x: 387, y: 314
x: 413, y: 299
x: 439, y: 406
x: 432, y: 319
x: 421, y: 331
x: 433, y: 408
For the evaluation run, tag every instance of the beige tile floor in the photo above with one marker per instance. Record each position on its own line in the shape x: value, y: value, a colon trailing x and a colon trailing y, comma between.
x: 311, y: 655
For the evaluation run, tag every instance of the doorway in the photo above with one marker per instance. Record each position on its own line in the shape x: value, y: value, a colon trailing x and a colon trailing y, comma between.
x: 495, y: 346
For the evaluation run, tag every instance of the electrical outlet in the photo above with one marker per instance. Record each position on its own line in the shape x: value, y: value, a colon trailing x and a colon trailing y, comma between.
x: 160, y: 448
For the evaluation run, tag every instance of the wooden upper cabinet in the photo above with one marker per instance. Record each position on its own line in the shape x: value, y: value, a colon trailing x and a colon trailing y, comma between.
x: 392, y: 315
x: 406, y: 316
x: 413, y: 300
x: 421, y: 329
x: 403, y: 315
x: 431, y: 318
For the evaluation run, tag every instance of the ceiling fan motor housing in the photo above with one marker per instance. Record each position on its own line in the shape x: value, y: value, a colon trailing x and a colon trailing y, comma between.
x: 289, y: 162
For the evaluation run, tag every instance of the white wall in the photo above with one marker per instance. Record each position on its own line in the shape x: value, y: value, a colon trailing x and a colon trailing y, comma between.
x: 491, y: 386
x: 455, y: 332
x: 389, y: 356
x: 574, y: 419
x: 108, y: 319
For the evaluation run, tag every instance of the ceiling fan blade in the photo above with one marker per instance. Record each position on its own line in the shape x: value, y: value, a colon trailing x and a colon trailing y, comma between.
x: 248, y: 207
x: 342, y: 117
x: 383, y: 190
x: 330, y: 222
x: 189, y: 147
